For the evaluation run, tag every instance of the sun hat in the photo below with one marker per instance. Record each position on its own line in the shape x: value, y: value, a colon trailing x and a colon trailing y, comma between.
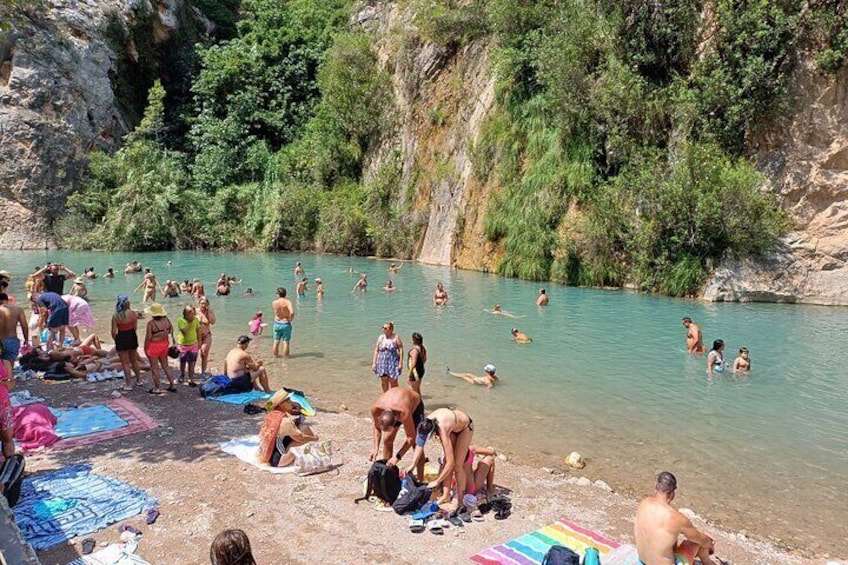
x: 155, y: 310
x: 6, y: 274
x: 242, y: 339
x: 489, y: 369
x: 279, y: 397
x: 79, y: 280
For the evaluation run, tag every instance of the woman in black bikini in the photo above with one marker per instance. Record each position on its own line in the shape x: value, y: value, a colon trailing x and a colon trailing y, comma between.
x: 454, y: 429
x: 417, y: 359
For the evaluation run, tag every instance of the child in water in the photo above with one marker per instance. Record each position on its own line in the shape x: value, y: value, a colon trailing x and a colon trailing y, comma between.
x: 742, y: 364
x: 256, y: 325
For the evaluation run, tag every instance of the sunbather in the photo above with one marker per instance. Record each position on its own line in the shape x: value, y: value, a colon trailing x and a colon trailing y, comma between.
x: 282, y: 429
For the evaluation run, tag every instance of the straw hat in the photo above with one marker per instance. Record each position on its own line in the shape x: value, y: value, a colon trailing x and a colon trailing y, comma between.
x: 79, y: 280
x: 6, y: 274
x: 279, y: 397
x: 155, y: 310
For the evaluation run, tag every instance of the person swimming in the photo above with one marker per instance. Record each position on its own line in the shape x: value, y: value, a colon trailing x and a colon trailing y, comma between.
x: 390, y: 286
x: 488, y: 379
x: 496, y: 310
x: 520, y: 337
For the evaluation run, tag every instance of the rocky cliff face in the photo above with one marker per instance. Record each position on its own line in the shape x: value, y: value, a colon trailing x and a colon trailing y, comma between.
x: 58, y: 74
x: 806, y: 159
x: 442, y: 95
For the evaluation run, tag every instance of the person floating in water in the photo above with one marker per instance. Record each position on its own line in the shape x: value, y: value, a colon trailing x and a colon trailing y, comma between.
x: 694, y: 338
x: 520, y: 337
x: 659, y: 526
x: 488, y: 379
x: 390, y: 286
x: 715, y: 359
x: 543, y: 299
x: 742, y: 364
x: 496, y: 309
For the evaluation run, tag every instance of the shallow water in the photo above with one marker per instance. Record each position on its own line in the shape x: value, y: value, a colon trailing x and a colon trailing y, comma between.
x: 606, y: 375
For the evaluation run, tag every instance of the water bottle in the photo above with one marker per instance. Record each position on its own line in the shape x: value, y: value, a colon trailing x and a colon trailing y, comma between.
x: 592, y: 557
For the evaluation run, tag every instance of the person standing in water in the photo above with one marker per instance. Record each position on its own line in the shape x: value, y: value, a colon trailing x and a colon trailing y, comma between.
x: 361, y: 285
x: 416, y: 362
x: 283, y: 316
x: 659, y: 526
x: 715, y: 358
x: 298, y: 271
x: 543, y: 299
x: 742, y: 364
x: 388, y: 355
x: 440, y: 297
x: 694, y: 338
x: 319, y: 288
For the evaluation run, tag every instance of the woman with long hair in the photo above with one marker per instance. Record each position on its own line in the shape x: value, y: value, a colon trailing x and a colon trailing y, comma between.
x: 387, y: 360
x: 417, y: 359
x: 124, y: 326
x: 207, y: 320
x: 231, y: 547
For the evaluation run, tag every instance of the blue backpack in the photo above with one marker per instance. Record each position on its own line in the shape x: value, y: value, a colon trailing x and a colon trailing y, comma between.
x: 559, y: 555
x: 214, y: 386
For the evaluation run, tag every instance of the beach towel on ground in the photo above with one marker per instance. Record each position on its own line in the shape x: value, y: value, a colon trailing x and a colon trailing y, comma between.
x: 530, y: 549
x: 86, y: 420
x: 74, y: 501
x: 241, y: 398
x: 114, y: 554
x: 245, y: 449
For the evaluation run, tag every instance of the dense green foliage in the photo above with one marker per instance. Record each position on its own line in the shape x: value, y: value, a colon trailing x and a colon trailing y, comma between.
x: 617, y: 151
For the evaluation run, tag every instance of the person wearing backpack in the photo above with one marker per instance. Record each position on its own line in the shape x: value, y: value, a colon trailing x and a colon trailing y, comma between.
x: 395, y: 408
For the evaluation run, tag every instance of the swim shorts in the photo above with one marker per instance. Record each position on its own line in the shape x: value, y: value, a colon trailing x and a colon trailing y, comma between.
x: 58, y: 318
x: 11, y: 347
x: 157, y: 349
x: 282, y: 331
x: 418, y: 414
x: 241, y: 384
x: 188, y: 353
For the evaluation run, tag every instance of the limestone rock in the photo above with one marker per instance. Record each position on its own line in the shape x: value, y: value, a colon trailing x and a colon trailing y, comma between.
x: 806, y: 161
x: 583, y: 482
x: 602, y: 485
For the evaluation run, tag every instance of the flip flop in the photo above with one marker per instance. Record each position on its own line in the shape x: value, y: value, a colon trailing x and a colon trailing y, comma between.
x: 455, y: 521
x: 192, y: 384
x: 435, y: 527
x: 503, y: 513
x: 88, y: 545
x: 464, y: 515
x: 477, y: 516
x: 127, y: 528
x: 171, y: 389
x: 417, y: 526
x: 125, y: 389
x: 155, y: 392
x: 381, y: 506
x: 152, y: 514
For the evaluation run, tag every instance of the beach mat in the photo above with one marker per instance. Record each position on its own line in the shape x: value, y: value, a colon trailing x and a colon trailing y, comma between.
x: 245, y: 449
x: 135, y: 419
x: 114, y: 554
x: 240, y: 398
x: 85, y: 420
x: 531, y: 548
x: 71, y: 502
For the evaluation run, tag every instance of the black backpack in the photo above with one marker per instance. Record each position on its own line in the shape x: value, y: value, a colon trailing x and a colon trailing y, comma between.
x: 12, y: 476
x: 412, y: 496
x: 559, y: 555
x: 383, y: 482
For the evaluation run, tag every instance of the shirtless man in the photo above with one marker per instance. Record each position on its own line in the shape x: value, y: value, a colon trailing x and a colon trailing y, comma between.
x: 243, y: 369
x: 395, y: 408
x: 172, y: 289
x: 543, y: 298
x: 694, y: 338
x: 283, y: 316
x: 298, y: 271
x: 520, y: 337
x: 659, y: 525
x: 11, y: 317
x: 301, y: 288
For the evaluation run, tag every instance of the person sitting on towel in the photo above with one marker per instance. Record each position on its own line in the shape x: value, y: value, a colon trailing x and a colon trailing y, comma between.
x: 244, y: 370
x: 282, y: 429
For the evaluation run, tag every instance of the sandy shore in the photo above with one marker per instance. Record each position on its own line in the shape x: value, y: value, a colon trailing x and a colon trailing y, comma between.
x: 307, y: 520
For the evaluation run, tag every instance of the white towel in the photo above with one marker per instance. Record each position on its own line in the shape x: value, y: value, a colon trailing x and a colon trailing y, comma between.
x: 245, y: 449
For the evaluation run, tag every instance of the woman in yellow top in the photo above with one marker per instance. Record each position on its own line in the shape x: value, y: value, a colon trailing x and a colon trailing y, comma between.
x: 188, y: 339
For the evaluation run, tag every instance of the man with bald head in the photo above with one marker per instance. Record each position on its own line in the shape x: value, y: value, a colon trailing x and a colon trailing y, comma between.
x: 395, y: 408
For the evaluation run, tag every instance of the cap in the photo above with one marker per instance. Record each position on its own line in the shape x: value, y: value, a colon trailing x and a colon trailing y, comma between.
x: 489, y: 368
x: 242, y: 339
x: 514, y: 330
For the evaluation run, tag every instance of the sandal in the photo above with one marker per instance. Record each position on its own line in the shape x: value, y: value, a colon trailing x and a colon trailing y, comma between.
x: 127, y: 389
x: 192, y: 384
x: 456, y: 522
x: 435, y: 527
x: 171, y: 388
x: 155, y: 392
x: 416, y: 526
x: 477, y: 516
x: 88, y: 545
x: 464, y: 515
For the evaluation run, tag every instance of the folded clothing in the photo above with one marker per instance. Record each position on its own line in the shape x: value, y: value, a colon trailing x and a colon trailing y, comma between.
x: 34, y: 426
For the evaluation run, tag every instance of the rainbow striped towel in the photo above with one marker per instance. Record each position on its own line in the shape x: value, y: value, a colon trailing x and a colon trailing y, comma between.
x: 530, y: 549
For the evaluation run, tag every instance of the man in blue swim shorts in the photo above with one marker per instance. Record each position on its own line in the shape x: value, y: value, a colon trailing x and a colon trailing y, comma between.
x: 659, y: 526
x: 58, y: 316
x: 11, y: 316
x: 283, y: 316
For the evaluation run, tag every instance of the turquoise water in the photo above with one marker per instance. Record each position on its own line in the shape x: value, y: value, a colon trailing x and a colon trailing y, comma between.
x: 607, y: 375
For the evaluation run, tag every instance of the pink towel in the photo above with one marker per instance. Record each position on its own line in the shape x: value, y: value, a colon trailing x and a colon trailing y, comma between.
x: 34, y: 426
